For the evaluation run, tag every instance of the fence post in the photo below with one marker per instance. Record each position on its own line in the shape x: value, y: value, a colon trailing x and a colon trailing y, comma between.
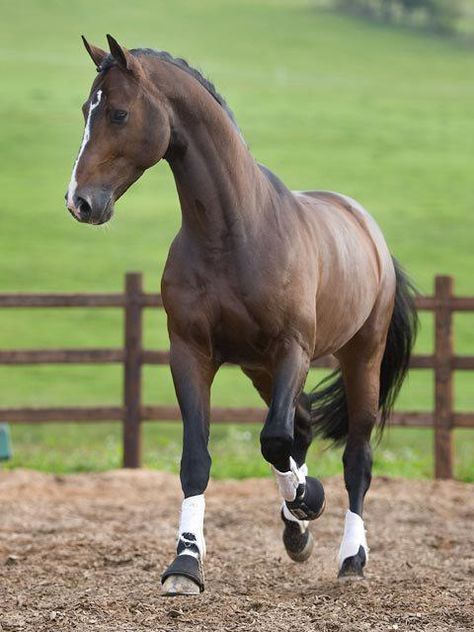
x: 132, y: 370
x: 443, y: 449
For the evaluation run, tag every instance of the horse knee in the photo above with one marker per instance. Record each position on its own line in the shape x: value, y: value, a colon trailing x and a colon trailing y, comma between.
x: 303, y: 431
x: 277, y: 451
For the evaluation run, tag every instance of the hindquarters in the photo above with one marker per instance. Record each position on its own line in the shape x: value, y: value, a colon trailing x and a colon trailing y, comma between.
x: 328, y: 401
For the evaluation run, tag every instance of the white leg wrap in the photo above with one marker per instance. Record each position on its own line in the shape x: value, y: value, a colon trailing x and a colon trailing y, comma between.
x: 288, y: 484
x: 353, y: 538
x: 303, y: 524
x: 288, y: 481
x: 192, y: 521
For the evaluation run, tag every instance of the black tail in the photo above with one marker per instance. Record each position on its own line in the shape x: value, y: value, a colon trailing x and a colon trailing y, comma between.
x: 328, y: 399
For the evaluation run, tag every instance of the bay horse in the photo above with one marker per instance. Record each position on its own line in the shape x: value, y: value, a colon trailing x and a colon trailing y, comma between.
x: 258, y: 276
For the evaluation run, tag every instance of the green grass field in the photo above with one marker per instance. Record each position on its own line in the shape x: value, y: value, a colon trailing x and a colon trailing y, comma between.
x: 326, y: 101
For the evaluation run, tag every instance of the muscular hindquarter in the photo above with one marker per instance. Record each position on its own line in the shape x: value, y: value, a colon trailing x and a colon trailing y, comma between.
x: 355, y: 270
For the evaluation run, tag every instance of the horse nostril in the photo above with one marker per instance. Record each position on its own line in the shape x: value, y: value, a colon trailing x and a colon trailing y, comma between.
x: 84, y: 208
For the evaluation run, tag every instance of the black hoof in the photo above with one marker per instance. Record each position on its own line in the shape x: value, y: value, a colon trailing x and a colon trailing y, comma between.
x: 186, y: 566
x: 298, y: 545
x: 310, y: 500
x: 353, y: 567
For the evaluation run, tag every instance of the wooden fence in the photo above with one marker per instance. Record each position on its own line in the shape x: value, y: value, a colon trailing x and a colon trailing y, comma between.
x: 133, y: 357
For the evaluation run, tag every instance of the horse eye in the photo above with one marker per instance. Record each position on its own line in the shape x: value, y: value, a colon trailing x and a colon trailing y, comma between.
x: 119, y: 116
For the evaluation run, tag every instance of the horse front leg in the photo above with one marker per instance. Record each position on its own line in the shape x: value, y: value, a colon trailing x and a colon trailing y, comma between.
x: 303, y: 495
x: 192, y: 376
x: 297, y: 537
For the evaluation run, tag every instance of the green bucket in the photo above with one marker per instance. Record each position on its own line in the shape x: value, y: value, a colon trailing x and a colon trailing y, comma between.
x: 5, y: 444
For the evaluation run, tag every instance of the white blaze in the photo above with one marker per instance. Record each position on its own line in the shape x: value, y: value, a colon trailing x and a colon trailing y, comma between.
x: 85, y: 139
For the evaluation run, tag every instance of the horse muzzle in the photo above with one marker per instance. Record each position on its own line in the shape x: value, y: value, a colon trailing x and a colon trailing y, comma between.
x: 90, y: 207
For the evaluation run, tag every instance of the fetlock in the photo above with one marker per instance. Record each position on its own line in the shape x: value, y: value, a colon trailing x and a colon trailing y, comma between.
x: 310, y: 500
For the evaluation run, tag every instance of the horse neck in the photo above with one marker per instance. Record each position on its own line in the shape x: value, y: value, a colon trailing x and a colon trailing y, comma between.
x: 221, y: 189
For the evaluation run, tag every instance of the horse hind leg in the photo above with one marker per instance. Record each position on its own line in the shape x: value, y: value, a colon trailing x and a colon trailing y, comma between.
x: 373, y: 365
x: 360, y: 364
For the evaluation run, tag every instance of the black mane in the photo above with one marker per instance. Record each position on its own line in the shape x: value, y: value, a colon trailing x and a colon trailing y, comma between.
x: 180, y: 63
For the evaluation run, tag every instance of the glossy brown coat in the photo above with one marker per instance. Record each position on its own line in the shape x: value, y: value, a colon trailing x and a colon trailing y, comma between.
x: 257, y: 275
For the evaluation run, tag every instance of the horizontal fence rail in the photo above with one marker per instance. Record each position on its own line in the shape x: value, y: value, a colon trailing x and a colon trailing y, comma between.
x: 443, y: 361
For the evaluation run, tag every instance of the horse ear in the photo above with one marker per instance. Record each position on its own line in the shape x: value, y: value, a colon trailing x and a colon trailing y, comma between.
x: 96, y: 54
x: 121, y: 55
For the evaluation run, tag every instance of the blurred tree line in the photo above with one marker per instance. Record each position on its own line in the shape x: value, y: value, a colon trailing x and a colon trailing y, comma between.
x: 441, y: 16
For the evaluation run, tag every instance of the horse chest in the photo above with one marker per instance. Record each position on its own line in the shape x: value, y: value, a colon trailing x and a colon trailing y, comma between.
x: 236, y: 311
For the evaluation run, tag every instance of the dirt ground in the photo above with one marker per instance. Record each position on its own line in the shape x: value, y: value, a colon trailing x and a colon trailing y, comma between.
x: 85, y: 552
